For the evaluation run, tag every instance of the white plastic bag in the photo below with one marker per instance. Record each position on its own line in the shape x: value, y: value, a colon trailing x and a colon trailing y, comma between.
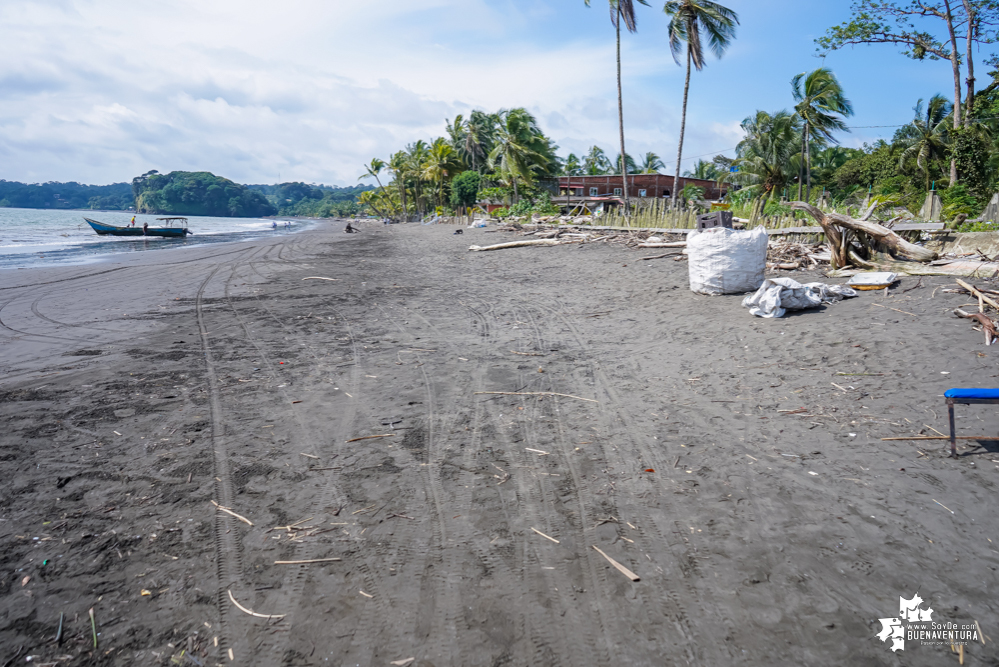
x: 726, y: 261
x: 778, y: 295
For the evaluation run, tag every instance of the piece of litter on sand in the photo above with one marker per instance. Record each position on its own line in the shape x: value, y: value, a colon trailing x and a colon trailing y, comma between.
x: 307, y: 455
x: 547, y: 537
x: 943, y: 506
x: 812, y: 473
x: 232, y: 656
x: 367, y: 595
x: 368, y: 437
x: 852, y: 435
x: 305, y: 562
x: 116, y: 432
x: 319, y: 278
x: 402, y: 663
x: 537, y: 451
x: 620, y: 568
x: 252, y: 613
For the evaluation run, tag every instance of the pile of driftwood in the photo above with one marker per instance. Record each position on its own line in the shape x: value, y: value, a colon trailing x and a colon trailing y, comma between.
x: 861, y: 242
x: 986, y: 323
x: 788, y: 255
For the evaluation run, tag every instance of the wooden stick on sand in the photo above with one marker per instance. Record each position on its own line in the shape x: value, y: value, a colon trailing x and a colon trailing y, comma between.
x: 535, y: 393
x: 547, y: 537
x: 368, y: 437
x: 304, y: 562
x: 977, y: 293
x: 253, y: 613
x: 946, y: 437
x: 620, y: 568
x: 231, y: 513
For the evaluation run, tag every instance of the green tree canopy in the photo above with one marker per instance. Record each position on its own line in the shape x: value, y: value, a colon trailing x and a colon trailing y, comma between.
x: 197, y: 193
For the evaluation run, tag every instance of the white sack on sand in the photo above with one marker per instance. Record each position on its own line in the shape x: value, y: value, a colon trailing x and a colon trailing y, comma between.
x: 726, y: 261
x: 778, y: 295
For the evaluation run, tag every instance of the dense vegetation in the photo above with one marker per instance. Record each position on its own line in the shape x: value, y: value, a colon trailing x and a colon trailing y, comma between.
x: 117, y: 196
x: 513, y: 159
x: 950, y: 145
x: 197, y: 193
x: 313, y: 201
x: 189, y: 193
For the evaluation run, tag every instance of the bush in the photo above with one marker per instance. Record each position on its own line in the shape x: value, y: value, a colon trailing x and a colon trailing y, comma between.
x: 978, y: 227
x: 544, y: 206
x: 464, y: 189
x: 957, y: 200
x: 691, y: 192
x: 501, y: 213
x: 523, y: 207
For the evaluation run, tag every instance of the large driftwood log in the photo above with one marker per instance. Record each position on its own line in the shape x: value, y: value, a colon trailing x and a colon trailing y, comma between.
x: 831, y: 222
x: 516, y: 244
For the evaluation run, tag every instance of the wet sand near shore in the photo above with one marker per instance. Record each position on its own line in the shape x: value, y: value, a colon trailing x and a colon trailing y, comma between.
x: 381, y: 503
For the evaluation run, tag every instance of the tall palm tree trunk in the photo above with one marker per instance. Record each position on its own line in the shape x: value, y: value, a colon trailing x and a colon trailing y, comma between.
x: 683, y: 127
x: 955, y: 65
x: 620, y: 116
x: 801, y: 168
x: 402, y: 195
x: 808, y: 161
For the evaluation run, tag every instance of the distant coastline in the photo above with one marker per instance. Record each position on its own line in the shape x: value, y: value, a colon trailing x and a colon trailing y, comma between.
x: 188, y: 193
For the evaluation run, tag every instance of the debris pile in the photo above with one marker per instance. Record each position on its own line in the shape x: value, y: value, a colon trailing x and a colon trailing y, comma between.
x: 789, y: 255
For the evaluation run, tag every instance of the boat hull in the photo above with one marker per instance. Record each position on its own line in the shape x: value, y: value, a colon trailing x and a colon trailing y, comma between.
x: 111, y: 230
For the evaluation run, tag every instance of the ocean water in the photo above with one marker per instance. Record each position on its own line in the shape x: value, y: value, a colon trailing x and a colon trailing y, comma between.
x: 45, y: 237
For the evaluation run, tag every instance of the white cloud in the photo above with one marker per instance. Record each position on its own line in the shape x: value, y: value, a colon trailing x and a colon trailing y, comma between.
x: 103, y: 90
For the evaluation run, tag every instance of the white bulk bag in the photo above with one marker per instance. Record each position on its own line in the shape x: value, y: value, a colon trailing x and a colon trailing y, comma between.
x: 726, y: 261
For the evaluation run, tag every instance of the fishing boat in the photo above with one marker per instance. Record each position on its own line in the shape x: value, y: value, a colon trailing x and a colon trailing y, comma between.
x: 170, y: 231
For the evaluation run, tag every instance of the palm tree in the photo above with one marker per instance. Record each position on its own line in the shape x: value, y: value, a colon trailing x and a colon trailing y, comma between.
x: 706, y: 171
x: 822, y: 106
x: 651, y: 164
x: 399, y: 165
x: 622, y: 10
x: 927, y: 138
x: 596, y: 163
x: 472, y: 137
x: 571, y: 166
x: 416, y: 155
x: 629, y: 161
x: 374, y: 169
x: 767, y: 156
x: 688, y: 20
x: 441, y: 164
x: 520, y: 148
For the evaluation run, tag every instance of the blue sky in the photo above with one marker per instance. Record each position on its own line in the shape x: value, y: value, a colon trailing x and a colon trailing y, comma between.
x: 100, y: 91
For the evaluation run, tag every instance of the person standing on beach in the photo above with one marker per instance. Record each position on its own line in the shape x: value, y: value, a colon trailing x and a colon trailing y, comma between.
x: 145, y: 228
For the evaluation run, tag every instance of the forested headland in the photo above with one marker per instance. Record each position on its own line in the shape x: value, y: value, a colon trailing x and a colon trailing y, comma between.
x: 117, y: 196
x: 197, y: 193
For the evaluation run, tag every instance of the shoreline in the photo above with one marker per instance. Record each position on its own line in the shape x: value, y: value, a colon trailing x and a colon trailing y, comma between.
x: 724, y: 459
x: 95, y: 249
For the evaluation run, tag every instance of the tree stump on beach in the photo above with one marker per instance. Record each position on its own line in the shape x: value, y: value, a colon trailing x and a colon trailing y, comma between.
x: 869, y: 234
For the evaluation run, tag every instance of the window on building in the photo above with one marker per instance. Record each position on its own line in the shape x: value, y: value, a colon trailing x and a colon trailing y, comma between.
x: 593, y: 192
x: 617, y: 191
x: 643, y: 193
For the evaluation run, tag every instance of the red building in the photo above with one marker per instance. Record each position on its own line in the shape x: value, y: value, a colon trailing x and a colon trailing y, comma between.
x: 640, y: 186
